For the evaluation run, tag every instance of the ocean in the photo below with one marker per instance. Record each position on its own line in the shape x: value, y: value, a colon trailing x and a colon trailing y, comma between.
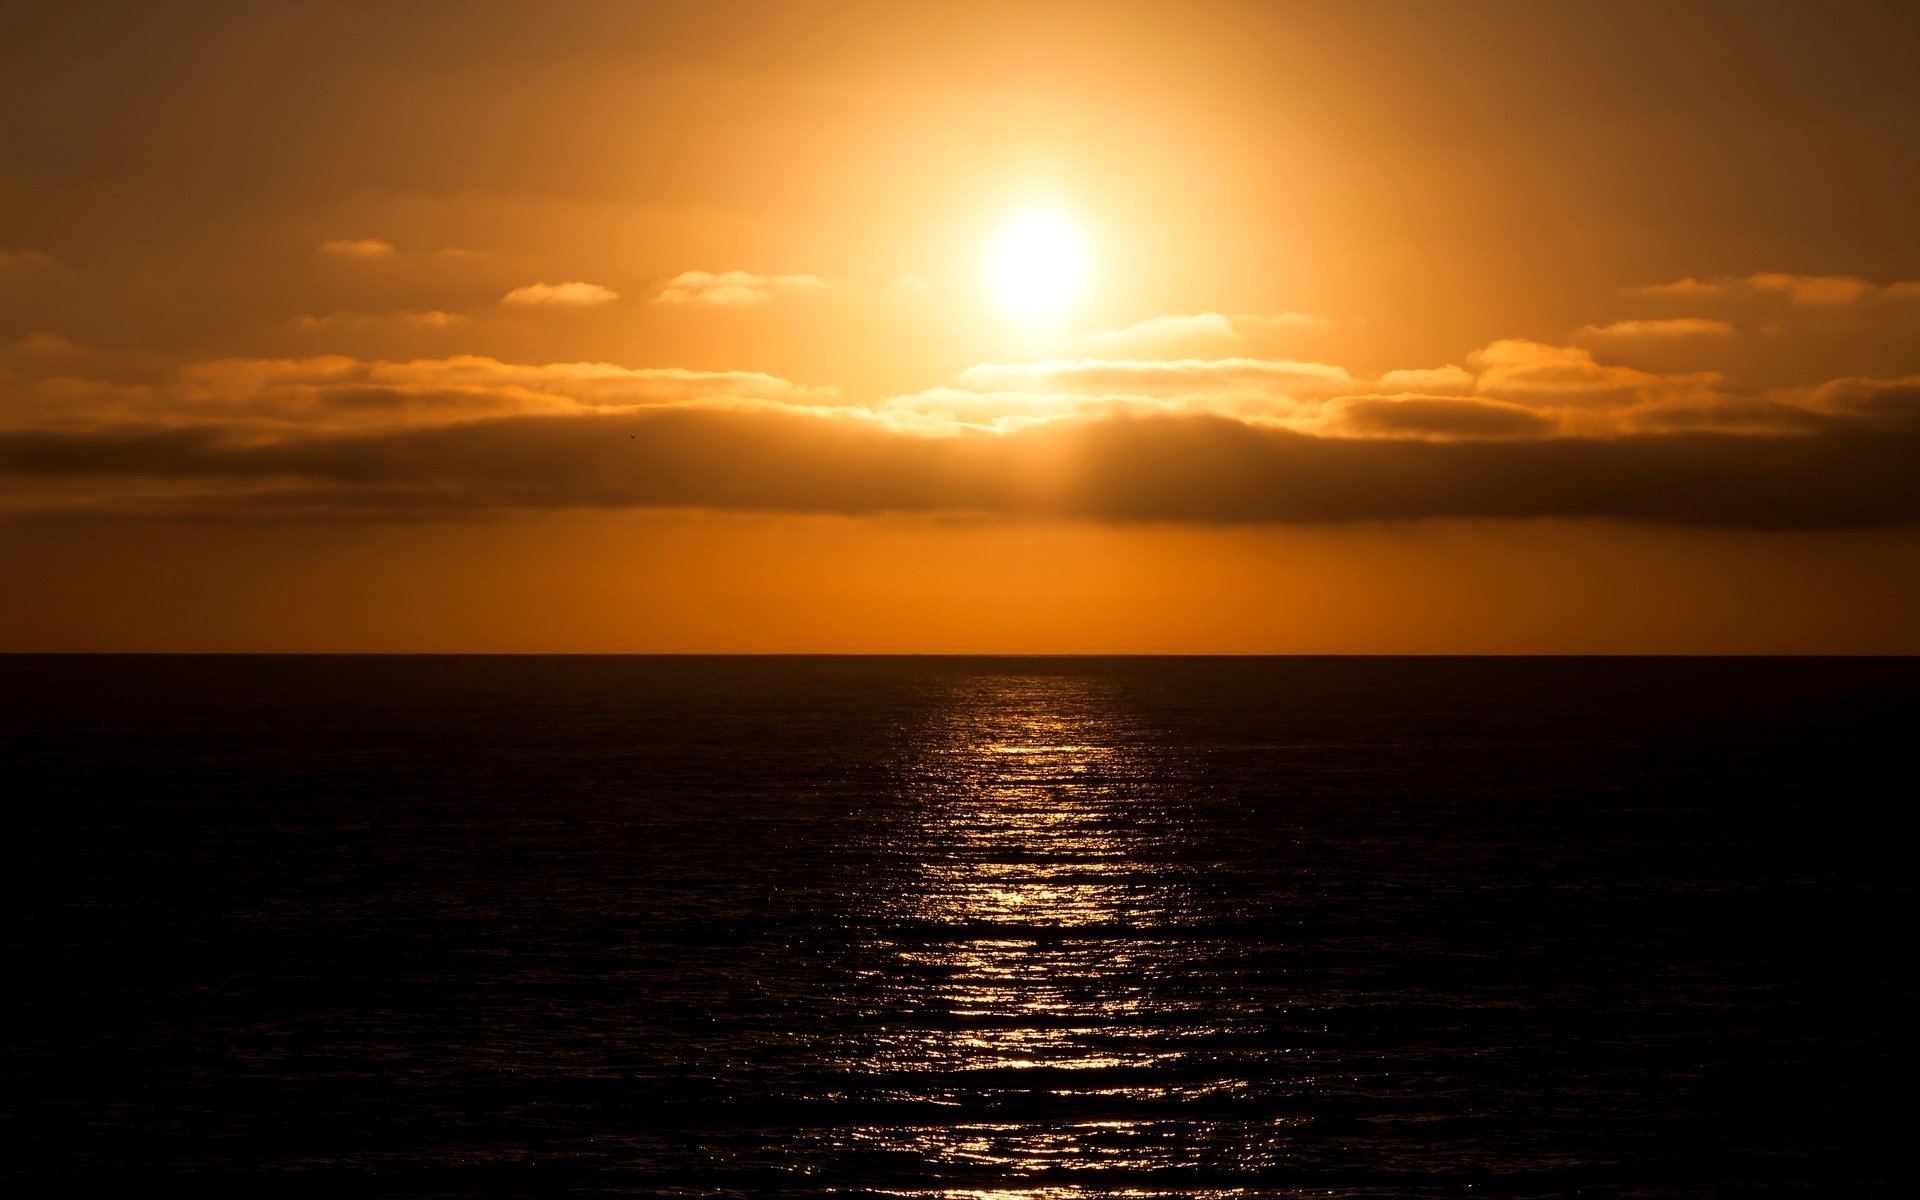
x: 967, y: 927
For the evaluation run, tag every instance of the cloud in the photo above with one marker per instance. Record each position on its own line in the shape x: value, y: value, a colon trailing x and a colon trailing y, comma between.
x: 1811, y: 289
x: 1591, y: 398
x: 427, y: 319
x: 1524, y: 429
x: 1884, y: 403
x: 301, y: 396
x: 1185, y: 336
x: 734, y: 289
x: 561, y: 295
x: 1533, y: 372
x: 1689, y: 287
x: 1158, y: 331
x: 364, y: 249
x: 1748, y: 415
x: 1564, y: 388
x: 1434, y: 379
x: 950, y: 410
x: 1676, y: 327
x: 1003, y: 396
x: 1806, y: 290
x: 1270, y: 378
x: 43, y: 345
x: 1434, y: 417
x: 1192, y: 468
x: 14, y: 260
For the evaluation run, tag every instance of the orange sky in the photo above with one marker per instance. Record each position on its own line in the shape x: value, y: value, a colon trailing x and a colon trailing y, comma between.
x: 1406, y: 328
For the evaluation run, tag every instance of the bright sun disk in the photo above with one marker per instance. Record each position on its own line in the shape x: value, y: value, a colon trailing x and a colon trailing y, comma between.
x: 1037, y: 267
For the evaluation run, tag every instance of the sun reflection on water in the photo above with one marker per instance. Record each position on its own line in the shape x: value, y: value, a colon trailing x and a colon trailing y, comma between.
x: 1036, y: 947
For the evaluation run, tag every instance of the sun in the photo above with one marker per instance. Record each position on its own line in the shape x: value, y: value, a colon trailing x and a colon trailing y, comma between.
x: 1037, y: 265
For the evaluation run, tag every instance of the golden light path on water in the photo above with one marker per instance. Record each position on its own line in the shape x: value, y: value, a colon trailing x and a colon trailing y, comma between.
x: 1038, y: 945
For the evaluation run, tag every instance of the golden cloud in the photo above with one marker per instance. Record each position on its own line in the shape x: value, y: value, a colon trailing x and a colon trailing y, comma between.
x: 561, y: 295
x: 1530, y: 429
x: 734, y: 289
x: 1442, y: 380
x: 1807, y: 290
x: 1883, y: 403
x: 1676, y: 327
x: 295, y: 396
x: 364, y: 249
x: 1518, y: 369
x: 1188, y: 335
x: 427, y: 319
x: 1162, y: 377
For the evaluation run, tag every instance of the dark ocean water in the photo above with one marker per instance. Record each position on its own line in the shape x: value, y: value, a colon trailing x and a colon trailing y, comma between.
x: 958, y: 927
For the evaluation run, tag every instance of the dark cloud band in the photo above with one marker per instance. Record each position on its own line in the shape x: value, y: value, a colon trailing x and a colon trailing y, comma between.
x: 1161, y: 468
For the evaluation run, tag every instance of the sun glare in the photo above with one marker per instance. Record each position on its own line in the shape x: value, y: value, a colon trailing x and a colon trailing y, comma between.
x: 1037, y: 267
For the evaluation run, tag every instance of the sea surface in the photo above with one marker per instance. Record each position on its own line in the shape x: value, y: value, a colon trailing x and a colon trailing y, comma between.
x: 980, y: 927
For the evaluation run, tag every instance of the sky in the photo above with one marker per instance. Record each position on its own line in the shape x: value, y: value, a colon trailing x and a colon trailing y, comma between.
x: 1001, y: 328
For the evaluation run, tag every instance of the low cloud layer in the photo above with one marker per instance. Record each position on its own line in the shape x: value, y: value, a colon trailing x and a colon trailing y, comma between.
x: 1516, y: 429
x: 281, y: 398
x: 1184, y: 468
